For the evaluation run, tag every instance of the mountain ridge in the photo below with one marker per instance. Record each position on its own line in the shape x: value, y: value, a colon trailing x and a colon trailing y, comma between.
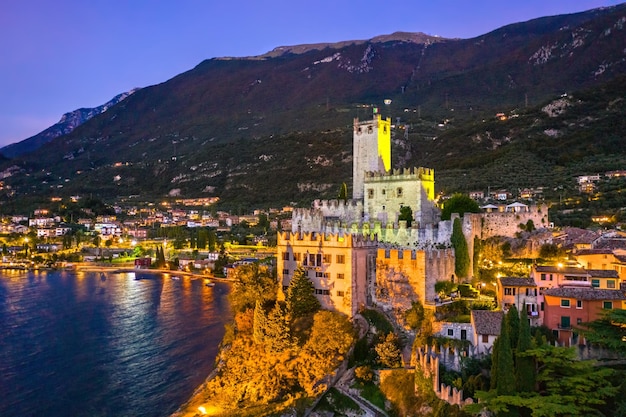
x: 213, y: 129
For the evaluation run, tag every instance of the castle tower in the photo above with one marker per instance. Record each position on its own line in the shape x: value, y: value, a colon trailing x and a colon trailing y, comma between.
x: 371, y: 150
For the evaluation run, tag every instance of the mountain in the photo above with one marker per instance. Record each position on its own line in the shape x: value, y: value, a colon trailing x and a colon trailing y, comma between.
x: 277, y: 128
x: 69, y: 121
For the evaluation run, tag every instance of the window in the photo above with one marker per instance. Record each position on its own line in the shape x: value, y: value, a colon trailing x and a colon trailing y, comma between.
x: 607, y: 304
x: 340, y: 276
x: 285, y: 256
x: 565, y: 302
x: 595, y: 283
x: 339, y: 293
x: 543, y: 277
x: 370, y: 193
x: 579, y: 303
x: 318, y: 259
x: 285, y: 272
x: 328, y: 258
x: 318, y: 274
x: 383, y: 191
x: 542, y: 305
x: 296, y: 256
x: 325, y: 292
x: 450, y: 332
x: 327, y: 275
x: 341, y: 259
x: 399, y: 191
x: 565, y: 322
x: 463, y: 334
x: 485, y: 338
x: 550, y: 277
x: 579, y: 321
x: 610, y: 283
x: 509, y: 291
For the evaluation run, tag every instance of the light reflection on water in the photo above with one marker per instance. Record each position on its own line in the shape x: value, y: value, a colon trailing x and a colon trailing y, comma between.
x: 105, y: 344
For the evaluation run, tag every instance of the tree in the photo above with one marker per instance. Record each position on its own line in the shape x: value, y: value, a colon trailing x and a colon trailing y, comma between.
x: 343, y: 192
x: 300, y: 297
x: 549, y: 251
x: 513, y: 325
x: 406, y: 214
x: 566, y: 387
x: 259, y: 323
x: 525, y: 372
x: 251, y: 282
x: 331, y: 337
x: 461, y: 253
x: 277, y: 333
x: 608, y: 331
x: 414, y: 316
x: 505, y: 381
x: 460, y: 204
x: 388, y: 351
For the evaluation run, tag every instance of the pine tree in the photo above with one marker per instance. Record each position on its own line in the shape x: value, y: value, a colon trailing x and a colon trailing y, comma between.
x: 300, y: 298
x: 461, y: 253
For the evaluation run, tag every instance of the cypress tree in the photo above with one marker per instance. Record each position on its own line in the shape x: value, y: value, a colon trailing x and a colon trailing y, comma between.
x: 513, y: 324
x: 525, y: 369
x: 505, y: 380
x: 461, y: 253
x: 258, y: 323
x: 277, y: 331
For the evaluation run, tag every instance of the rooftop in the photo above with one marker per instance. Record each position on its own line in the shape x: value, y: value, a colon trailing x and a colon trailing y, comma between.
x: 517, y: 282
x: 586, y: 293
x: 487, y: 322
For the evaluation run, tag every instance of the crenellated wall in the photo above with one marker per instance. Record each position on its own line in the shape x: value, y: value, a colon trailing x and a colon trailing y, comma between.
x: 428, y: 362
x: 506, y: 223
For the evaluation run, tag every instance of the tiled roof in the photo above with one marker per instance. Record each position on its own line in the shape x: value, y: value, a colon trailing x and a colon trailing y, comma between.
x: 612, y: 243
x: 621, y: 258
x: 593, y: 252
x: 586, y: 293
x: 603, y: 273
x: 567, y: 270
x: 517, y: 282
x: 487, y: 322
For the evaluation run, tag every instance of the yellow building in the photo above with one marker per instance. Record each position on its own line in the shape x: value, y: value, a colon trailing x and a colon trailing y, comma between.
x: 342, y: 267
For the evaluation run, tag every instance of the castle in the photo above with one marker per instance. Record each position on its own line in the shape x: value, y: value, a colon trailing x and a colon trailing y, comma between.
x: 386, y: 261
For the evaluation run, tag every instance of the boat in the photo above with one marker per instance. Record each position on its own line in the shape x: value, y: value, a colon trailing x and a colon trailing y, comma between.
x: 209, y: 283
x: 175, y: 278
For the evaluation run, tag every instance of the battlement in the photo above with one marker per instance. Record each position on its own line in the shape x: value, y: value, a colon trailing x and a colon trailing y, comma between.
x: 347, y: 240
x: 415, y: 173
x: 374, y: 121
x: 334, y: 205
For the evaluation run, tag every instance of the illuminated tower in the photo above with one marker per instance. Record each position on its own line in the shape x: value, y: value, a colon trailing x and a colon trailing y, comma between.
x: 371, y: 150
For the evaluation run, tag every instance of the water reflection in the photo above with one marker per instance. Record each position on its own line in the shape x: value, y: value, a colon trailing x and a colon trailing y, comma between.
x: 77, y: 344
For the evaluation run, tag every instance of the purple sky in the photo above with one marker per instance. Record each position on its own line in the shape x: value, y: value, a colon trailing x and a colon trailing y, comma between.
x: 58, y: 56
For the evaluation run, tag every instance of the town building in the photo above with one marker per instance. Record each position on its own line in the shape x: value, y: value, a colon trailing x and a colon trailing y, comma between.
x: 342, y: 267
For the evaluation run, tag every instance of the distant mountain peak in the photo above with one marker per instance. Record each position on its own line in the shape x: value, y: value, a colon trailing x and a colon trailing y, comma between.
x: 413, y: 37
x: 69, y: 121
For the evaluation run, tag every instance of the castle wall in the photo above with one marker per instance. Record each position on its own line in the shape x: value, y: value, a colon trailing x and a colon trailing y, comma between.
x: 407, y: 275
x: 386, y: 193
x: 507, y: 223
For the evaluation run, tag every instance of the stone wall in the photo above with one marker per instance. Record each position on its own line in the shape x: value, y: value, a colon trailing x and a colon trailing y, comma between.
x: 428, y: 362
x: 407, y: 275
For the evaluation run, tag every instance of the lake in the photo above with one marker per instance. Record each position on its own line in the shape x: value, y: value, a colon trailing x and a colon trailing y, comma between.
x: 105, y: 344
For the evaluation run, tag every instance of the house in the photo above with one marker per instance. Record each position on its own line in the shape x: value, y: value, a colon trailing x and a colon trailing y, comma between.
x: 522, y: 293
x: 143, y: 263
x: 566, y: 308
x: 486, y: 328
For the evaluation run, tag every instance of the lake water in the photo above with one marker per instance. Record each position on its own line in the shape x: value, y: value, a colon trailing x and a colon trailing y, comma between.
x: 91, y: 344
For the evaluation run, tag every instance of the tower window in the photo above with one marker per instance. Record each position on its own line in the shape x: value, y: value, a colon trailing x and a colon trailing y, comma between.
x: 399, y: 191
x: 370, y: 193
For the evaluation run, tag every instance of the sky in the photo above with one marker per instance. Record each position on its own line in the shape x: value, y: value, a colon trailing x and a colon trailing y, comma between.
x: 59, y: 56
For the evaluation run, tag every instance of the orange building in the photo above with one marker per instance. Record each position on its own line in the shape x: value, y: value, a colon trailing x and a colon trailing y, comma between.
x: 566, y: 308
